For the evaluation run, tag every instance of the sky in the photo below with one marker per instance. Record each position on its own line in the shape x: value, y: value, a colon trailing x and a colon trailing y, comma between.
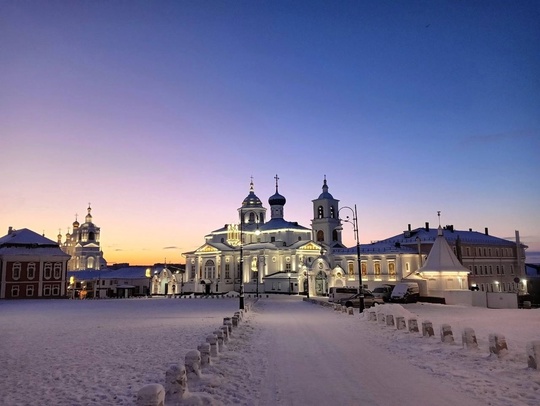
x: 160, y: 113
x: 274, y: 356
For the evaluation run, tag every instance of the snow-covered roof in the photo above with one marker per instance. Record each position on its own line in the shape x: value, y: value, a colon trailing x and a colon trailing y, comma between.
x: 450, y: 234
x: 441, y: 257
x: 279, y: 223
x: 25, y: 236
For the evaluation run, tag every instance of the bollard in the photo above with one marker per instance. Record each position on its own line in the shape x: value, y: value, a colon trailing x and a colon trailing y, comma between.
x: 220, y: 341
x: 381, y: 318
x: 468, y: 338
x: 193, y: 365
x: 205, y: 350
x: 533, y: 354
x: 175, y: 383
x: 151, y: 395
x: 527, y: 304
x: 343, y: 309
x: 390, y: 320
x: 351, y: 311
x: 213, y: 341
x: 229, y: 325
x: 225, y: 330
x: 497, y: 345
x: 413, y: 326
x: 235, y: 321
x: 372, y: 315
x: 427, y: 329
x: 446, y: 334
x: 400, y: 323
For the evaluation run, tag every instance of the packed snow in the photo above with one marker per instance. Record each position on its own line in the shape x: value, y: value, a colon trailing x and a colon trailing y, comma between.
x: 285, y: 352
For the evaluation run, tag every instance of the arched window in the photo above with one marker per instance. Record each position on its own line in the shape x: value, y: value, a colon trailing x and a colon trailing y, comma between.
x: 251, y: 217
x: 209, y: 269
x: 350, y: 267
x: 31, y: 270
x: 320, y: 212
x: 90, y: 262
x: 364, y: 269
x: 332, y: 212
x: 48, y: 270
x: 320, y: 235
x: 16, y: 271
x: 334, y: 235
x: 91, y: 236
x: 57, y: 270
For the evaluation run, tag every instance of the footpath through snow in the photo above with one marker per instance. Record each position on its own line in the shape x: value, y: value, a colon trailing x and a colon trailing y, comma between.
x: 285, y: 352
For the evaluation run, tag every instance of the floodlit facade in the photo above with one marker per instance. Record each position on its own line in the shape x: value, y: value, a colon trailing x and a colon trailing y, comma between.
x: 280, y: 256
x: 83, y: 245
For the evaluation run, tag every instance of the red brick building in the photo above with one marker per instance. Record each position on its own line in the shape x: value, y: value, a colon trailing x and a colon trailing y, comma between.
x: 31, y: 266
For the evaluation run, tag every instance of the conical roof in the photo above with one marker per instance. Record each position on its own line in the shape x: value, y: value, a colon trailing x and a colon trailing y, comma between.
x: 441, y: 258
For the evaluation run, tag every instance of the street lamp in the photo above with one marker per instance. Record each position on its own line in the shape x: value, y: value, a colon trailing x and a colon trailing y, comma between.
x: 354, y: 223
x: 289, y: 275
x: 148, y: 274
x: 241, y: 297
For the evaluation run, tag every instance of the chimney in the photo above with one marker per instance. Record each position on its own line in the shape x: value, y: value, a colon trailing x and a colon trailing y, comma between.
x: 427, y: 226
x: 486, y: 231
x: 409, y: 227
x: 10, y: 230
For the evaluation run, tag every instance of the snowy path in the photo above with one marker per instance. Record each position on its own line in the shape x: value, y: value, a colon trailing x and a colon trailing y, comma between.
x: 300, y: 346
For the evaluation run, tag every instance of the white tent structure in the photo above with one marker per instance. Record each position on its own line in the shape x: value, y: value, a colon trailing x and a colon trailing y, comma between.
x: 442, y: 269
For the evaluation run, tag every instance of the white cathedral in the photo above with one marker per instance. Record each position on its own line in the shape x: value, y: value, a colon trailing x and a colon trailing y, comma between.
x: 280, y: 256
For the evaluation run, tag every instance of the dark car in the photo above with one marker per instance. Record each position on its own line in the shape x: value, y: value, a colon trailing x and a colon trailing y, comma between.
x: 383, y: 292
x: 354, y: 300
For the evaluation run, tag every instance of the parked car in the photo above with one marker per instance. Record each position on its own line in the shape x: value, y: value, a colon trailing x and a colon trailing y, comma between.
x: 354, y: 300
x: 406, y: 292
x: 383, y: 292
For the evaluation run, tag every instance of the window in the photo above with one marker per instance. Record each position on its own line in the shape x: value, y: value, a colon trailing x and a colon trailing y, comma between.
x: 502, y: 269
x: 320, y: 235
x: 332, y: 212
x: 31, y: 271
x: 364, y: 268
x: 512, y: 269
x: 30, y: 290
x: 392, y: 269
x: 491, y: 270
x: 288, y: 267
x: 227, y: 271
x: 15, y: 291
x: 48, y: 270
x: 350, y: 267
x: 377, y: 268
x: 47, y: 290
x: 209, y: 269
x: 272, y: 239
x: 89, y: 263
x: 16, y: 271
x: 192, y: 271
x: 497, y: 270
x: 320, y: 212
x: 56, y: 290
x: 468, y: 252
x: 475, y: 270
x: 57, y: 270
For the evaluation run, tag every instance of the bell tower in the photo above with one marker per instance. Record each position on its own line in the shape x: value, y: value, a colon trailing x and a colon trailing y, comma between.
x: 325, y: 224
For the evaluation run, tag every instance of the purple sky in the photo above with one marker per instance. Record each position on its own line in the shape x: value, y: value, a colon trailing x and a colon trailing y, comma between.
x: 158, y: 113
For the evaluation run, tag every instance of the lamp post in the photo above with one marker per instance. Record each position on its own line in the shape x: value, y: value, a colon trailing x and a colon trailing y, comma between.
x: 289, y: 275
x: 307, y: 284
x: 148, y: 274
x: 241, y: 296
x: 354, y: 223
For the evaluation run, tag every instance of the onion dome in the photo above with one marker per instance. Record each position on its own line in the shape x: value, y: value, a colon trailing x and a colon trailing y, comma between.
x: 277, y: 199
x: 75, y: 223
x: 251, y: 200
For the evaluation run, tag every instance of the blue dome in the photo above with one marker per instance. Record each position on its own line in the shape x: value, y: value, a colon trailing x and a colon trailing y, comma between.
x: 277, y: 200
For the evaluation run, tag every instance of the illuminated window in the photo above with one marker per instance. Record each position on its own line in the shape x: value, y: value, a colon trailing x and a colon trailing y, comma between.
x: 377, y: 268
x: 320, y: 212
x: 364, y: 268
x: 392, y: 269
x: 350, y: 267
x: 90, y: 262
x: 332, y: 213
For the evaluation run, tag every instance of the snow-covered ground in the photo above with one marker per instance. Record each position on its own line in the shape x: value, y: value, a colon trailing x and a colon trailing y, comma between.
x: 285, y: 352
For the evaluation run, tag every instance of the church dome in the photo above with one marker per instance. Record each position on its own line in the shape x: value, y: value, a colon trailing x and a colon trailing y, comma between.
x: 251, y: 200
x: 277, y: 200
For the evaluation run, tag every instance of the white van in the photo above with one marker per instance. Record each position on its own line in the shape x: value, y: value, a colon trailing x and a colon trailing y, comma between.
x: 405, y: 292
x: 334, y: 294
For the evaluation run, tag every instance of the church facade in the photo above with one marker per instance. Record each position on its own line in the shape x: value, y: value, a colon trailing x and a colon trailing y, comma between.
x: 83, y: 245
x: 280, y: 256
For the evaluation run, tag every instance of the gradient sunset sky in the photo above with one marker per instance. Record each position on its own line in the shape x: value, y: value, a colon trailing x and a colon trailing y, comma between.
x: 159, y: 112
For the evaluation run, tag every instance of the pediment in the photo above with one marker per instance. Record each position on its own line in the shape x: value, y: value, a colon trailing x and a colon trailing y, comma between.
x: 310, y: 246
x: 207, y: 248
